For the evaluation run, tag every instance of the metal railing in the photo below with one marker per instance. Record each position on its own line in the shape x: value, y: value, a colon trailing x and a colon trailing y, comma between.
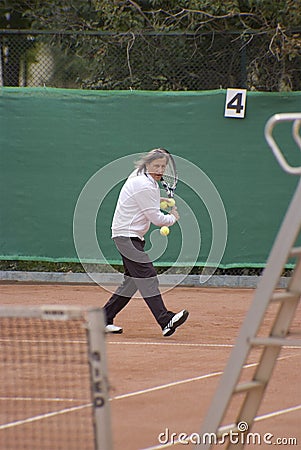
x: 146, y: 61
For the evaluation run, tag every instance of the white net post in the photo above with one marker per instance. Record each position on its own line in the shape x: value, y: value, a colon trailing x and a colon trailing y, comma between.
x: 99, y: 380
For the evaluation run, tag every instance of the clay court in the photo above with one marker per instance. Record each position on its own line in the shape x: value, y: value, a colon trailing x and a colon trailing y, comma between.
x: 161, y: 387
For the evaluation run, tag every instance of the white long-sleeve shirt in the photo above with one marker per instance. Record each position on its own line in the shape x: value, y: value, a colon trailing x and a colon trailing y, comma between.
x: 138, y: 206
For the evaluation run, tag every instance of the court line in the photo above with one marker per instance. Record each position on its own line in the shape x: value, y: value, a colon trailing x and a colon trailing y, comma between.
x: 122, y: 396
x: 144, y: 391
x: 186, y: 344
x: 187, y: 380
x: 167, y: 385
x: 41, y: 341
x: 118, y: 397
x: 277, y: 413
x: 42, y: 399
x: 43, y: 416
x: 257, y: 419
x: 180, y: 344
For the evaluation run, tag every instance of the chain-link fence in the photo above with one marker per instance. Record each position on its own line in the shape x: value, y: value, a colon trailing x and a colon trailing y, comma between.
x: 149, y: 61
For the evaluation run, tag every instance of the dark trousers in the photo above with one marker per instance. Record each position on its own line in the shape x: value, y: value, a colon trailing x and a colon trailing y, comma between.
x: 139, y: 274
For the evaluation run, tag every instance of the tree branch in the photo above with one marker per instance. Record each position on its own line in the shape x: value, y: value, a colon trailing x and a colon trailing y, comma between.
x: 140, y: 12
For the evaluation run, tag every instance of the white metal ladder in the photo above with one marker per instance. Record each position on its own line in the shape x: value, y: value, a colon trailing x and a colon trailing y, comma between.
x: 283, y: 249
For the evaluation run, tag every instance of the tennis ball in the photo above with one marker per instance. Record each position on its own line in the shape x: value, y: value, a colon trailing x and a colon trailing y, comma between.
x: 163, y: 204
x: 164, y: 231
x: 171, y: 202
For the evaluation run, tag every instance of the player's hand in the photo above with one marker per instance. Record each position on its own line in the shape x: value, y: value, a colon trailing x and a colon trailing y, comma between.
x: 175, y: 213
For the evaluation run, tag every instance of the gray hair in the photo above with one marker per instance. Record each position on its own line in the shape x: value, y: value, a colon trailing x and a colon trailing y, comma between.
x: 147, y: 158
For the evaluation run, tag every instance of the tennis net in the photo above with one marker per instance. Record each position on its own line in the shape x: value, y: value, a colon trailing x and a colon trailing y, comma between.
x: 53, y: 379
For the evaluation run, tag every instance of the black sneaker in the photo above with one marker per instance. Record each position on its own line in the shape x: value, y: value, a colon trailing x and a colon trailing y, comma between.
x: 177, y: 320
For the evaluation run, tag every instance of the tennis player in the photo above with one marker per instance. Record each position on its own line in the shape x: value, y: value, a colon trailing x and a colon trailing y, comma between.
x: 137, y: 207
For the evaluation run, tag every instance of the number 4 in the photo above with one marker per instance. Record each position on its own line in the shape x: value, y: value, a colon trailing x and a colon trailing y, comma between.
x: 235, y: 103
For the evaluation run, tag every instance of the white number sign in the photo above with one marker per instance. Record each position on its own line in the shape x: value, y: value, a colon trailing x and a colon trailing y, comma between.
x: 235, y: 103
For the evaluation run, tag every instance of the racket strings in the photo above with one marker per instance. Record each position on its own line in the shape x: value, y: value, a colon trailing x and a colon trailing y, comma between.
x: 170, y: 176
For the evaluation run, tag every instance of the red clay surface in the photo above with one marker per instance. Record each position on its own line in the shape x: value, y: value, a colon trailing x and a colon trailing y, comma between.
x: 161, y: 386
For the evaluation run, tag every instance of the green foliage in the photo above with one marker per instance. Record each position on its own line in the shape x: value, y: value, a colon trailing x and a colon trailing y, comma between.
x: 129, y: 15
x: 274, y: 19
x: 43, y: 266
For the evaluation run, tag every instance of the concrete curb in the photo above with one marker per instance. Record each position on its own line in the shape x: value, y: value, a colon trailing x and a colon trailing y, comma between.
x: 231, y: 281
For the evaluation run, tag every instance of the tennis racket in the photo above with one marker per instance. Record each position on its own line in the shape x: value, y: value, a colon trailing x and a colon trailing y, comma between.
x: 170, y: 178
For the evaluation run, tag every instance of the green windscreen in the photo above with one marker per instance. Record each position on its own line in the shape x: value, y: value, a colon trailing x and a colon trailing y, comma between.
x: 53, y: 142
